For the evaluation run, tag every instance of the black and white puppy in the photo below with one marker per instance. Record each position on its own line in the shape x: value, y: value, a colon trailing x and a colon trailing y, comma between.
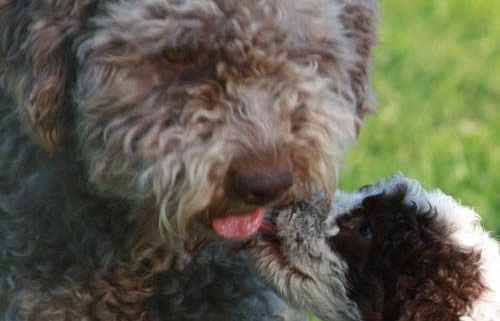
x: 389, y: 251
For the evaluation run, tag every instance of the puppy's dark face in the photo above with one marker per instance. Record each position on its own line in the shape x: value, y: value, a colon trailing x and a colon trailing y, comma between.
x: 382, y: 242
x: 377, y: 254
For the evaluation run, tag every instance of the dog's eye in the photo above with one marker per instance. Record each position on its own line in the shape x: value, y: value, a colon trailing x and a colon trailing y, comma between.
x: 177, y: 56
x: 366, y: 230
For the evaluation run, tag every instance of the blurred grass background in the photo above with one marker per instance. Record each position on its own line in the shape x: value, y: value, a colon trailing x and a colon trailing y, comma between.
x: 437, y: 78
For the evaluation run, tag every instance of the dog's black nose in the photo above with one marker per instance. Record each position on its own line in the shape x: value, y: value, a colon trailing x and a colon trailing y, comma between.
x: 259, y: 184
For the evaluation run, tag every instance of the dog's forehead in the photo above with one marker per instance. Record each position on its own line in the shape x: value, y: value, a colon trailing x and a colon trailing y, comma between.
x: 217, y: 21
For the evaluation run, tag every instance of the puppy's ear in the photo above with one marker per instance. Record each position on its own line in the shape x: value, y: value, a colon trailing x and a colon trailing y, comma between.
x: 359, y: 19
x: 36, y: 63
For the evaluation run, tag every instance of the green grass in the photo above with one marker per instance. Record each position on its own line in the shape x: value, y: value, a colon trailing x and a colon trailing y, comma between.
x: 437, y: 77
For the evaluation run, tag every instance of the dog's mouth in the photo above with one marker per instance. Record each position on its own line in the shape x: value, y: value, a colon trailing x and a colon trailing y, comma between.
x: 238, y: 225
x: 268, y: 237
x: 268, y: 230
x: 240, y: 220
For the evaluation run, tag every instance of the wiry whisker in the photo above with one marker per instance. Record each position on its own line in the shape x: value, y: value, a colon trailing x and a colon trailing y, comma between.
x: 294, y: 210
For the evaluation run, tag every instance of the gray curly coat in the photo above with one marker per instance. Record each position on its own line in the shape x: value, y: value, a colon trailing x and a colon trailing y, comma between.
x: 128, y: 127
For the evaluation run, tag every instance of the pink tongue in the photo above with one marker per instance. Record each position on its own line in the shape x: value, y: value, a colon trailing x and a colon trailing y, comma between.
x: 238, y: 225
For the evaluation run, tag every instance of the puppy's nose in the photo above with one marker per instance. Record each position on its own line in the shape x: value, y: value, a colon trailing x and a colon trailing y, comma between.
x: 260, y: 184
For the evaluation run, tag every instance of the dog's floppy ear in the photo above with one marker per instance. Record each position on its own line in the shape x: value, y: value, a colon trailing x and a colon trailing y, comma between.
x: 359, y: 19
x: 36, y: 62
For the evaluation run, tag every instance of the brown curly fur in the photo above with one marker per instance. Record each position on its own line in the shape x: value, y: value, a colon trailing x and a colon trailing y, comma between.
x: 123, y: 123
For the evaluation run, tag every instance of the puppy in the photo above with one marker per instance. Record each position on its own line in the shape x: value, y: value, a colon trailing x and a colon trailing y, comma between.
x: 389, y: 251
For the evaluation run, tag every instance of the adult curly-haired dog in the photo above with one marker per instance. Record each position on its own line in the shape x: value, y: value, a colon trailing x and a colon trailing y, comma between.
x: 390, y: 251
x: 133, y: 131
